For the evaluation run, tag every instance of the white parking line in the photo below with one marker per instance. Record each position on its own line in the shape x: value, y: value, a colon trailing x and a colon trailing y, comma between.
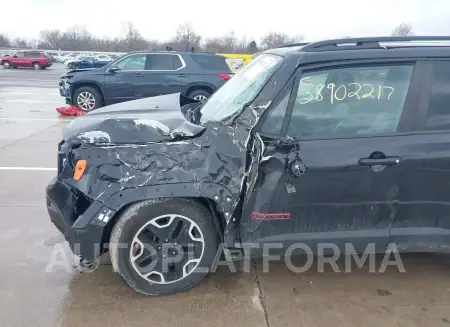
x: 29, y: 168
x: 61, y: 120
x: 32, y: 93
x: 27, y: 101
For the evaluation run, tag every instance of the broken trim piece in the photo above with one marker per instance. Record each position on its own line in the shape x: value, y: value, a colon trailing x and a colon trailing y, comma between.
x: 70, y: 111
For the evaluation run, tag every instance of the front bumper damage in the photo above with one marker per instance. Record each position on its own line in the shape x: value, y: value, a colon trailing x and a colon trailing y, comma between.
x: 65, y: 91
x: 82, y: 221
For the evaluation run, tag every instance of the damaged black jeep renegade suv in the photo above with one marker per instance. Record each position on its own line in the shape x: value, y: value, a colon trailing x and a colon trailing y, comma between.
x: 344, y: 142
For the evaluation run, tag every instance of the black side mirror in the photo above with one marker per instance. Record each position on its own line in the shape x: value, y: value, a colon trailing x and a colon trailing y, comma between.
x: 114, y: 69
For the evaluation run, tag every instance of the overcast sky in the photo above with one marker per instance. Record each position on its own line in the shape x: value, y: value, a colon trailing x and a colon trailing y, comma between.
x: 315, y: 19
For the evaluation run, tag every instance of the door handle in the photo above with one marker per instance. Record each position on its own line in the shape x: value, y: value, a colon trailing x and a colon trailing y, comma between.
x: 387, y: 161
x: 181, y: 75
x: 139, y: 75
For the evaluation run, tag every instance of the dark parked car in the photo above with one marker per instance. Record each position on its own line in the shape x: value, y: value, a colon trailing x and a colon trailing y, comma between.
x: 146, y: 74
x: 88, y: 62
x: 342, y: 141
x: 34, y: 59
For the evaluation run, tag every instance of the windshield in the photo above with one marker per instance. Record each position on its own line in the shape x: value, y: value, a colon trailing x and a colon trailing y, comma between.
x: 240, y: 89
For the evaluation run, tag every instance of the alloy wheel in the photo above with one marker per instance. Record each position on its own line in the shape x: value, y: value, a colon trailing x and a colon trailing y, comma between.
x: 167, y: 249
x: 86, y: 101
x: 200, y: 98
x: 6, y: 64
x: 36, y: 66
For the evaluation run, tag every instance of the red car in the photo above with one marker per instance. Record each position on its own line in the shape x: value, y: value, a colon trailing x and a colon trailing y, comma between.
x: 35, y: 59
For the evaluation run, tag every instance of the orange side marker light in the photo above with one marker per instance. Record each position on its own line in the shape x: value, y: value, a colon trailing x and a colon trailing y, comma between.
x: 80, y: 168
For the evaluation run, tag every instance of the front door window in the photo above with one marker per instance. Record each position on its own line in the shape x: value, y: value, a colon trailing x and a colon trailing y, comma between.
x: 349, y: 102
x: 133, y: 62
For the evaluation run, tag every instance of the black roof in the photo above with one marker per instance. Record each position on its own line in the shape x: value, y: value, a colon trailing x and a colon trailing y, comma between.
x: 369, y: 47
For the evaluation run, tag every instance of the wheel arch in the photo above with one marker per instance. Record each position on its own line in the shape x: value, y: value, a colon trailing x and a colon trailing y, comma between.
x: 213, y: 197
x: 92, y: 84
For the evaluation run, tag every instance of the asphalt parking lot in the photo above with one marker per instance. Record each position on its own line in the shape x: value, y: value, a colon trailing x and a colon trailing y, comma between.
x: 34, y: 293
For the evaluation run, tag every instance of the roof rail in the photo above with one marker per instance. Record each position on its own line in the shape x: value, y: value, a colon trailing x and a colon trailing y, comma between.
x: 369, y: 42
x: 293, y: 45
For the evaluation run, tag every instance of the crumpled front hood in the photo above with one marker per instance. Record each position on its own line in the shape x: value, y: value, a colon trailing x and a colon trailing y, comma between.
x: 154, y: 119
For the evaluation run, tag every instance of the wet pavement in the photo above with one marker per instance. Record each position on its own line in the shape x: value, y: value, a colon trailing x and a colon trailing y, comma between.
x: 35, y: 292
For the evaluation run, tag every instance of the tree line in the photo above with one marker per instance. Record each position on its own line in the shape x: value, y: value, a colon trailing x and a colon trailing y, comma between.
x: 78, y: 38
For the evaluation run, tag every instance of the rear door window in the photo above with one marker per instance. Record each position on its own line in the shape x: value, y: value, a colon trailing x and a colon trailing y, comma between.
x: 438, y: 117
x: 164, y: 62
x: 350, y: 102
x: 19, y: 54
x: 32, y: 55
x: 211, y: 62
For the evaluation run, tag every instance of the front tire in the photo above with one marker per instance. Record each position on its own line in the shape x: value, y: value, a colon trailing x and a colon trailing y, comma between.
x: 36, y: 65
x: 164, y: 246
x: 87, y: 98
